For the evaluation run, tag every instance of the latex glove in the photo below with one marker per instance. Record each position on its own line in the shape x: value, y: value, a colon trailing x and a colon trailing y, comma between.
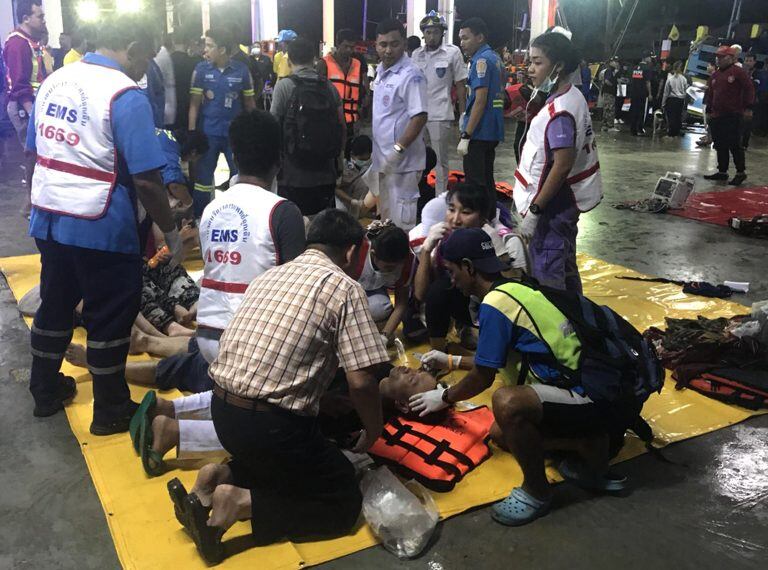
x: 528, y: 227
x: 438, y: 360
x: 428, y: 402
x: 463, y: 147
x: 175, y: 245
x: 436, y: 233
x: 496, y: 240
x: 392, y: 161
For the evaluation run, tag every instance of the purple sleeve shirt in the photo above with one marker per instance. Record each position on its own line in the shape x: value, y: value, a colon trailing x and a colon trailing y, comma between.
x: 561, y: 132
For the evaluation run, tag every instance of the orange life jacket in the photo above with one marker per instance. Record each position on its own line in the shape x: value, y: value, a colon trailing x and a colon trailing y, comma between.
x: 347, y: 85
x: 456, y: 176
x: 437, y: 456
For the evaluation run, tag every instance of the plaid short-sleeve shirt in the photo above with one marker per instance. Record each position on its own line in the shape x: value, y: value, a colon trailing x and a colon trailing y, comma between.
x: 298, y: 323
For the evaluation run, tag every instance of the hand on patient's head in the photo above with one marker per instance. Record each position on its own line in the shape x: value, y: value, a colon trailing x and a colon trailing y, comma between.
x: 404, y: 382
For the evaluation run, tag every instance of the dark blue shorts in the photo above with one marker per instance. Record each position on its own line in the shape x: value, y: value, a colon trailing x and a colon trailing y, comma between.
x: 186, y: 372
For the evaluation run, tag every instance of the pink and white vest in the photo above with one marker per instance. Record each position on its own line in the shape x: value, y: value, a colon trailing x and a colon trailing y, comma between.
x: 584, y: 178
x: 238, y: 245
x: 76, y: 167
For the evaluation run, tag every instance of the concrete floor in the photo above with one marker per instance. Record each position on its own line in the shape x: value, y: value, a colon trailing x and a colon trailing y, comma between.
x: 710, y: 510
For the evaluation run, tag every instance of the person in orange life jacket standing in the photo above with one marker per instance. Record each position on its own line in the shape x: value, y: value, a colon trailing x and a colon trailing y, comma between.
x: 221, y: 89
x: 558, y: 175
x: 94, y: 158
x: 348, y: 75
x: 444, y: 68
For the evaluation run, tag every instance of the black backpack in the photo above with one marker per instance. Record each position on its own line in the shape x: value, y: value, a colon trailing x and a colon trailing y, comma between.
x: 311, y: 130
x: 616, y: 362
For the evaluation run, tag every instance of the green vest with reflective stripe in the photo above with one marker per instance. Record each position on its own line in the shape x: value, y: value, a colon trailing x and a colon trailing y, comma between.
x: 549, y: 324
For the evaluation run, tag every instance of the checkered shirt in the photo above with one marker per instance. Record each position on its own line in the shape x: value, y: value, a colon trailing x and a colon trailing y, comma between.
x: 298, y: 323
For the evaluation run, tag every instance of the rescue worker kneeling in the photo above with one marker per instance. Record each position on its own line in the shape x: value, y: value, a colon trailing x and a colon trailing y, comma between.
x: 560, y: 408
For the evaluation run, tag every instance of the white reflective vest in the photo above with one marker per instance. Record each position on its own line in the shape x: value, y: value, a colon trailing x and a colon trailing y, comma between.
x: 584, y: 178
x: 237, y: 245
x: 372, y: 279
x: 76, y: 168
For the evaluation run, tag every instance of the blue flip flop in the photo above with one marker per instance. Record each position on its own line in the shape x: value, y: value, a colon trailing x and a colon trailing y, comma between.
x: 589, y: 480
x: 519, y: 508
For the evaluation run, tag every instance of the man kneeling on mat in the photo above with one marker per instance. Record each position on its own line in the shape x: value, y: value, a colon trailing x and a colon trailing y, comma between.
x: 518, y: 323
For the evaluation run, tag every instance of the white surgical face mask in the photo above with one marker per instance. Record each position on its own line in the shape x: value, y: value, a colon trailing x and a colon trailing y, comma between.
x: 361, y: 164
x: 547, y: 85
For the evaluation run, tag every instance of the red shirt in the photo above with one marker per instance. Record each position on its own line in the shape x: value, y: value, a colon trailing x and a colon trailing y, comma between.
x: 730, y: 91
x: 18, y: 55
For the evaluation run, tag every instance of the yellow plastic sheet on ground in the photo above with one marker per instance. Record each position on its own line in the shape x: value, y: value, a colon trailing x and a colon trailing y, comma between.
x: 140, y: 514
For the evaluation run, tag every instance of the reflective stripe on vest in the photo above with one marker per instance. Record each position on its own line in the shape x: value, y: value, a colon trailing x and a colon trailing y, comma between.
x: 552, y: 327
x: 347, y: 85
x: 438, y: 455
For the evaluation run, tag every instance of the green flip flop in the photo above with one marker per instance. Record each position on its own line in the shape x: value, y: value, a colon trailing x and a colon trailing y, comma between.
x: 147, y: 405
x: 151, y: 460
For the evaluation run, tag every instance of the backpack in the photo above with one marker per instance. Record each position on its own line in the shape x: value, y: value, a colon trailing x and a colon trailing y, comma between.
x: 616, y: 362
x: 745, y: 388
x: 311, y: 130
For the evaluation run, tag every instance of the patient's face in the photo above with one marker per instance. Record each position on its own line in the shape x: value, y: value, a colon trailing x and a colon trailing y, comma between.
x: 404, y: 382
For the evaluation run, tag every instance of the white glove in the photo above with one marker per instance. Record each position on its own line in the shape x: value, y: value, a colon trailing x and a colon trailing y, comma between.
x: 436, y: 233
x: 496, y: 240
x: 463, y: 147
x: 528, y: 227
x: 437, y: 360
x: 428, y: 402
x: 392, y: 161
x: 175, y: 246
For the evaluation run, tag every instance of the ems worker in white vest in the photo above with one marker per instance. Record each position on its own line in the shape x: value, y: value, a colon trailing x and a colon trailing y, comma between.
x: 243, y: 233
x: 399, y: 116
x: 444, y: 67
x: 96, y: 153
x: 221, y: 88
x: 558, y: 176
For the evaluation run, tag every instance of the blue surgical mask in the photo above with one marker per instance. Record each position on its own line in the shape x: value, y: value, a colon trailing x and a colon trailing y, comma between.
x: 547, y: 85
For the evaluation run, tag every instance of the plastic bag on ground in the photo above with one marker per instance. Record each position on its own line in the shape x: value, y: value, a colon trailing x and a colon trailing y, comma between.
x: 403, y: 517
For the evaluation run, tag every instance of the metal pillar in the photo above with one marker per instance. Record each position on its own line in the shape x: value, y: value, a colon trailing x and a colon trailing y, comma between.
x: 542, y: 16
x: 264, y: 20
x: 54, y: 20
x: 416, y: 11
x: 205, y: 6
x: 328, y: 26
x: 446, y: 8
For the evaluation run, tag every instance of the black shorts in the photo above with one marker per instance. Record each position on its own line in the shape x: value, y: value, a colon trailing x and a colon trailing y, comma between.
x: 567, y: 414
x: 312, y: 200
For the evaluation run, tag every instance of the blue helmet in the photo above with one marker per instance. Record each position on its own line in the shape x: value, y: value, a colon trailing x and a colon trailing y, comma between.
x: 432, y: 20
x: 286, y: 36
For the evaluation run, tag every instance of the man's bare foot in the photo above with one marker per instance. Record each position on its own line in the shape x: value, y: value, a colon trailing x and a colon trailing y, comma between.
x: 208, y: 478
x: 165, y: 434
x: 75, y: 355
x: 229, y: 504
x: 139, y: 341
x: 164, y: 407
x: 175, y: 329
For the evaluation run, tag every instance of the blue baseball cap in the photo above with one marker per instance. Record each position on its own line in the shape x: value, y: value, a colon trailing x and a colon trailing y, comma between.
x: 476, y: 246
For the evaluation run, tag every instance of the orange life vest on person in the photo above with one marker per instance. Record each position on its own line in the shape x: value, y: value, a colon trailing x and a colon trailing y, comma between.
x: 438, y: 456
x: 348, y: 86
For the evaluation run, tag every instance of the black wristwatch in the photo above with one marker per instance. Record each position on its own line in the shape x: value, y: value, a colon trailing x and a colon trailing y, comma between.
x: 534, y: 209
x: 444, y: 397
x: 465, y: 135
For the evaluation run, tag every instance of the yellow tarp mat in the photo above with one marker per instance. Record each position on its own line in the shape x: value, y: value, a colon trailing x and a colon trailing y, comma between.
x: 140, y: 515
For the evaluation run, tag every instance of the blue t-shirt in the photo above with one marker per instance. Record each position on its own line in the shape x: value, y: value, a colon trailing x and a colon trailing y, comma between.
x: 222, y: 92
x: 486, y: 71
x: 138, y: 151
x: 171, y: 170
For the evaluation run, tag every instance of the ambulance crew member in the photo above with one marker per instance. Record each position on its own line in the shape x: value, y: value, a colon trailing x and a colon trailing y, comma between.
x: 559, y: 173
x: 444, y: 68
x: 94, y: 157
x: 243, y: 233
x: 221, y: 88
x: 482, y: 127
x: 348, y: 76
x: 399, y: 116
